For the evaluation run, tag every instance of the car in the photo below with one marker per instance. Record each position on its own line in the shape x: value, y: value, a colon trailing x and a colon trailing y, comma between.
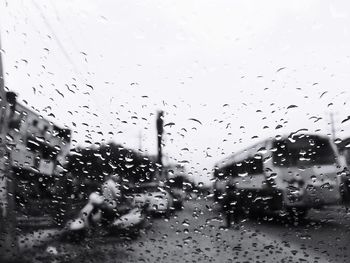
x: 179, y: 196
x: 157, y: 199
x: 179, y: 186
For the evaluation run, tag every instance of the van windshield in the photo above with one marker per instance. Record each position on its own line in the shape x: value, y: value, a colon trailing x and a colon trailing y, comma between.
x: 303, y: 151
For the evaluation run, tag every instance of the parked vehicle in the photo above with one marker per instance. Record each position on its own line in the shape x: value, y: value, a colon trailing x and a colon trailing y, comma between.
x: 177, y: 188
x: 290, y: 173
x: 156, y: 198
x: 91, y: 217
x: 179, y: 196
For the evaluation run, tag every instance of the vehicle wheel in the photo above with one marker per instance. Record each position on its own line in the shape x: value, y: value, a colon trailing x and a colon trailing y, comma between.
x: 171, y: 207
x: 147, y: 223
x: 134, y: 233
x: 216, y: 196
x: 178, y: 205
x: 169, y: 212
x: 255, y: 213
x: 75, y: 236
x: 297, y: 214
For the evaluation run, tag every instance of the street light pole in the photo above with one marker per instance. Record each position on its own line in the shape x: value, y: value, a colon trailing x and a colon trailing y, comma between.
x: 332, y: 126
x: 160, y: 129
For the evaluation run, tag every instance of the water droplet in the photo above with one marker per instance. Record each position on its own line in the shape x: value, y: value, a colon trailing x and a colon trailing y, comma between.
x: 192, y: 119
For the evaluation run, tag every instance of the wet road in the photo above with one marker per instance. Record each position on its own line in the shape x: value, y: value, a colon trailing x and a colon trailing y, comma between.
x: 195, y: 234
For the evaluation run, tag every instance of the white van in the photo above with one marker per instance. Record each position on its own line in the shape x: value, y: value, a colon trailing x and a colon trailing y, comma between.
x: 287, y: 173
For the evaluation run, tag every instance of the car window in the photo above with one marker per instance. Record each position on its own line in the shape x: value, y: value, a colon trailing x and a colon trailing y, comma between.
x: 174, y: 131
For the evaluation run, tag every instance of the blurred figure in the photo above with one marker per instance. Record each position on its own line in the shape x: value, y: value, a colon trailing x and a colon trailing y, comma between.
x: 231, y: 204
x: 112, y: 194
x: 107, y: 208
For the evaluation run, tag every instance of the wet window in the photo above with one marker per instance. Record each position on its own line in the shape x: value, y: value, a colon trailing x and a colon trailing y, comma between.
x: 304, y: 151
x: 174, y: 131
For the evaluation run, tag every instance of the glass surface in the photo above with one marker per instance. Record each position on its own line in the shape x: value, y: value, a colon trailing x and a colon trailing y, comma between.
x: 305, y: 151
x: 174, y: 131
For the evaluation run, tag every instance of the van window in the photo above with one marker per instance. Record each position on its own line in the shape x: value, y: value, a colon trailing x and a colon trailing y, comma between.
x: 303, y: 151
x: 249, y: 166
x: 254, y: 165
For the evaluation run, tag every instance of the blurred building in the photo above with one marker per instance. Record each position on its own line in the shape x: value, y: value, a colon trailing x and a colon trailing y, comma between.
x: 38, y: 155
x: 39, y: 146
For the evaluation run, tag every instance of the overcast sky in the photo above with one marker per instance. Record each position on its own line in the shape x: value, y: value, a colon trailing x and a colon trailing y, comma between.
x: 245, y: 69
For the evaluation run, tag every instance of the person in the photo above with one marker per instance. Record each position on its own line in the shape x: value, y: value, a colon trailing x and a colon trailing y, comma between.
x: 231, y: 204
x: 111, y: 193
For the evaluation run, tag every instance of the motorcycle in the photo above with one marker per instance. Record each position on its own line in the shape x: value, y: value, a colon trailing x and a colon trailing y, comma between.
x: 91, y: 218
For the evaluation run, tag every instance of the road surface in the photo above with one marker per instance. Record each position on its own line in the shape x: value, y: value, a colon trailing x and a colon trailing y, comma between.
x: 195, y: 234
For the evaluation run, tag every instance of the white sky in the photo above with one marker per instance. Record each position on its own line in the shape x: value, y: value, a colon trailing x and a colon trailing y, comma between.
x: 216, y: 61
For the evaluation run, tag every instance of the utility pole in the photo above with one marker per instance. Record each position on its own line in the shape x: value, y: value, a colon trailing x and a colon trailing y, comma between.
x: 140, y: 142
x: 332, y: 126
x: 160, y: 129
x: 8, y: 236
